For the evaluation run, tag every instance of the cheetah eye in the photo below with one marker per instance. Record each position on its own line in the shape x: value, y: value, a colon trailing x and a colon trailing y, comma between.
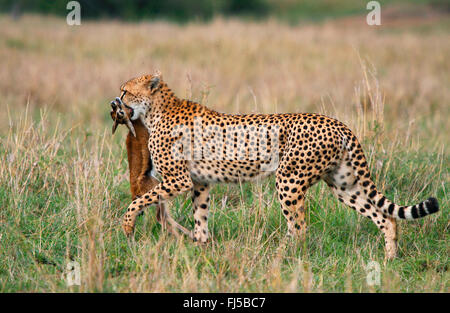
x: 123, y: 94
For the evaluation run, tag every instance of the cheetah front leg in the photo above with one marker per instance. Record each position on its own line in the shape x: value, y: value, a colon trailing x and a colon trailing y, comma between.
x: 167, y: 189
x: 200, y: 202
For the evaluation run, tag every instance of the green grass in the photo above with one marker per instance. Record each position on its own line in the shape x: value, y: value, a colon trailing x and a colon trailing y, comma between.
x: 66, y: 204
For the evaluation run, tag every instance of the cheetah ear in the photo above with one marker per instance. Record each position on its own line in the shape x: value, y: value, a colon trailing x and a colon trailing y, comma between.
x: 155, y: 81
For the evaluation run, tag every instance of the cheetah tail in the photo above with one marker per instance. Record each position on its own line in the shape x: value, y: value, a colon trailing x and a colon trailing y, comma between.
x: 379, y: 201
x: 412, y: 212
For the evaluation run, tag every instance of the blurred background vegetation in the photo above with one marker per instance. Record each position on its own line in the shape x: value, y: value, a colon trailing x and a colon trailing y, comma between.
x: 293, y: 11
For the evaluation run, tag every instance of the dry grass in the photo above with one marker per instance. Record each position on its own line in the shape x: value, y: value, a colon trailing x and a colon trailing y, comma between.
x: 63, y: 178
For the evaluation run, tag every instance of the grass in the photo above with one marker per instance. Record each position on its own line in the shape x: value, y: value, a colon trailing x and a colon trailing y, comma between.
x: 63, y: 178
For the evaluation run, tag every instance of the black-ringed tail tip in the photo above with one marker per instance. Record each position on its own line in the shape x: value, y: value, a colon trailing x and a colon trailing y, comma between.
x: 420, y: 210
x: 425, y: 208
x: 432, y: 205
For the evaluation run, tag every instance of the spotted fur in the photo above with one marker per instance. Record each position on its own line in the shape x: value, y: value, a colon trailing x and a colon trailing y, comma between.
x: 308, y: 147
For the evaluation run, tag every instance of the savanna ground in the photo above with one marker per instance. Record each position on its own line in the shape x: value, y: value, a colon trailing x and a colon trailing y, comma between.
x: 63, y: 177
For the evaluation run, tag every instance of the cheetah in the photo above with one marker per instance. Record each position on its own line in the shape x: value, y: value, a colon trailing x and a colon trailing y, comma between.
x: 193, y: 147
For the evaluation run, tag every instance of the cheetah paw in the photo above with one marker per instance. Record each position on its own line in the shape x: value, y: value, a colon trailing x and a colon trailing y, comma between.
x: 128, y: 230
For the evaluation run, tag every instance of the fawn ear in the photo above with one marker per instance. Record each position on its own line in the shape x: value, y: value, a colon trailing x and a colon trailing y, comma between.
x: 155, y: 81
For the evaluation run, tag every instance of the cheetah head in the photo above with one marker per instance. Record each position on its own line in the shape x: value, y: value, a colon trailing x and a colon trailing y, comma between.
x: 137, y: 94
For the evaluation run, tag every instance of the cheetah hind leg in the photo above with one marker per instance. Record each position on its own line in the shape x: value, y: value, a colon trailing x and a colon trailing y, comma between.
x: 349, y: 190
x: 292, y: 200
